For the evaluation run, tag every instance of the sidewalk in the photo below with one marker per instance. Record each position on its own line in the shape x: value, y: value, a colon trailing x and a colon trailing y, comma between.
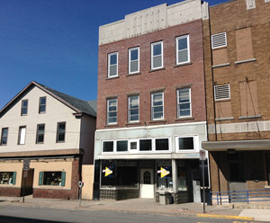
x: 148, y: 206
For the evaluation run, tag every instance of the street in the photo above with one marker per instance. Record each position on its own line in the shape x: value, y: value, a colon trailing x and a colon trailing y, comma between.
x: 19, y: 214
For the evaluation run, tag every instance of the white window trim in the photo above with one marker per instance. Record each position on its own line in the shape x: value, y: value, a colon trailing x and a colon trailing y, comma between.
x: 22, y: 135
x: 129, y: 121
x: 219, y: 35
x: 195, y: 143
x: 188, y: 48
x: 135, y: 150
x: 108, y: 100
x: 162, y: 151
x: 152, y: 56
x: 129, y: 60
x: 178, y: 109
x: 114, y: 146
x: 109, y: 64
x: 152, y: 107
x: 229, y: 92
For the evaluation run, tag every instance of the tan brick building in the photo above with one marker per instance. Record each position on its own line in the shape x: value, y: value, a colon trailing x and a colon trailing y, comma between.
x: 151, y: 104
x: 237, y: 71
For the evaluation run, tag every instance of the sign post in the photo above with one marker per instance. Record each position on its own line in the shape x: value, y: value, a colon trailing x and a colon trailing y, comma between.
x: 80, y: 185
x: 203, y: 158
x: 26, y: 165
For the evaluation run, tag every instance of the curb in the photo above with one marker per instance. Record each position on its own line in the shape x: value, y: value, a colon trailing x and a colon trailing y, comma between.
x: 225, y: 217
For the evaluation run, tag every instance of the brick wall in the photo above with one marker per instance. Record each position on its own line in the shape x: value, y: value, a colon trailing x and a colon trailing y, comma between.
x: 170, y: 78
x: 10, y: 192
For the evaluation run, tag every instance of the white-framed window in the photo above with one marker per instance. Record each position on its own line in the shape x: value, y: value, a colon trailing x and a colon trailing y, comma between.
x: 134, y: 146
x: 157, y: 106
x: 157, y: 55
x: 133, y: 108
x: 187, y: 144
x: 122, y: 146
x: 108, y: 146
x: 184, y: 102
x: 222, y: 92
x: 219, y: 40
x: 22, y: 134
x: 182, y: 50
x: 145, y: 145
x: 112, y: 111
x: 4, y: 136
x: 24, y: 107
x: 113, y: 64
x: 134, y: 60
x: 42, y: 105
x: 162, y: 144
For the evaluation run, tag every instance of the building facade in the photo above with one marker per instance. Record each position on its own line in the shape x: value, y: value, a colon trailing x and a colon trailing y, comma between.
x: 151, y: 104
x: 47, y: 138
x: 237, y: 83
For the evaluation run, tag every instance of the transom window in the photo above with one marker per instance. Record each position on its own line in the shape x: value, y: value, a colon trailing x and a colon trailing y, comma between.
x: 24, y: 107
x: 42, y: 105
x: 157, y: 106
x: 184, y: 102
x: 133, y: 108
x: 61, y: 131
x: 108, y: 146
x: 113, y: 64
x: 182, y: 50
x: 122, y: 146
x: 162, y: 144
x: 40, y: 133
x: 134, y: 60
x: 186, y: 143
x: 112, y: 111
x: 56, y: 178
x: 157, y: 55
x: 4, y: 136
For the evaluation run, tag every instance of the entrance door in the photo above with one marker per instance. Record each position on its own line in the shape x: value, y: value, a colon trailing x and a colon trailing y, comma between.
x: 146, y: 183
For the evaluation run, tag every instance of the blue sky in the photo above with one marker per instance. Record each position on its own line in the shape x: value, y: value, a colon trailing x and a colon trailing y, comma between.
x: 55, y: 42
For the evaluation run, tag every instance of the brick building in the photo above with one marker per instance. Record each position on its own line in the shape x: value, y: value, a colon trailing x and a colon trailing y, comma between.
x: 151, y: 104
x: 237, y: 42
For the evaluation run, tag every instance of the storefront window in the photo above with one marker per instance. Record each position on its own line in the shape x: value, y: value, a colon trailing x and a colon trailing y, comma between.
x: 182, y: 176
x: 164, y: 175
x: 7, y: 178
x: 52, y: 178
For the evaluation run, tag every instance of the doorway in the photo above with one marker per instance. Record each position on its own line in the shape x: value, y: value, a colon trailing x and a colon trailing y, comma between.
x: 146, y: 183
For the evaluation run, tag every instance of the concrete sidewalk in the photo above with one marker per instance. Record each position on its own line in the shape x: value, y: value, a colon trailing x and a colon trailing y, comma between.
x: 147, y: 206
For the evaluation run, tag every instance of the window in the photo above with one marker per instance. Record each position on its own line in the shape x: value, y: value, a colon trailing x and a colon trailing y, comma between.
x: 157, y: 111
x: 4, y: 136
x: 122, y: 146
x: 145, y: 145
x: 134, y: 60
x: 57, y: 178
x: 184, y: 102
x: 156, y: 55
x: 186, y: 143
x: 133, y: 108
x: 164, y: 175
x: 133, y: 146
x: 42, y: 105
x: 22, y: 133
x: 162, y: 144
x: 112, y: 111
x: 61, y: 130
x: 40, y: 133
x: 113, y: 65
x: 24, y: 107
x: 108, y: 146
x: 222, y: 92
x: 219, y: 40
x: 8, y: 178
x: 182, y: 50
x: 268, y: 168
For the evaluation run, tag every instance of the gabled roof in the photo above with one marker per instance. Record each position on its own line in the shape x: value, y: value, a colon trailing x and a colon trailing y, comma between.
x: 78, y: 105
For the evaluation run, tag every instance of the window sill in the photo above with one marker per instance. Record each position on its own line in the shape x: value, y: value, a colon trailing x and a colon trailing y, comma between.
x: 158, y: 69
x: 110, y: 78
x: 158, y: 121
x: 133, y: 123
x: 250, y: 117
x: 111, y: 125
x: 224, y: 119
x: 245, y: 61
x: 183, y: 64
x: 221, y: 65
x: 184, y: 119
x: 134, y: 74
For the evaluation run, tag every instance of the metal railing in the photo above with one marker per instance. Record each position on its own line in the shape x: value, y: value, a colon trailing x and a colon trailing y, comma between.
x: 244, y: 196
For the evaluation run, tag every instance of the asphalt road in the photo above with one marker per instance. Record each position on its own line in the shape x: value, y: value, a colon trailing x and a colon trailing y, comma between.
x: 19, y: 214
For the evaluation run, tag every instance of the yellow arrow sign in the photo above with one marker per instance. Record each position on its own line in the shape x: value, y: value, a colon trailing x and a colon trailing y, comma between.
x: 107, y: 171
x: 163, y: 172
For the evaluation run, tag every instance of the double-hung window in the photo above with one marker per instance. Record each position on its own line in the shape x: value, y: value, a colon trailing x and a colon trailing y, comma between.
x: 61, y: 131
x: 112, y: 111
x: 24, y: 107
x: 156, y: 55
x: 40, y: 133
x: 157, y: 106
x: 182, y: 50
x: 184, y: 102
x: 112, y: 64
x: 4, y: 136
x: 42, y: 105
x: 22, y: 134
x: 134, y: 60
x: 133, y: 108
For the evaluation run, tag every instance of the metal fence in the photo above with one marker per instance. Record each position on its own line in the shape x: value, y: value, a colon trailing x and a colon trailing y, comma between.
x: 244, y: 196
